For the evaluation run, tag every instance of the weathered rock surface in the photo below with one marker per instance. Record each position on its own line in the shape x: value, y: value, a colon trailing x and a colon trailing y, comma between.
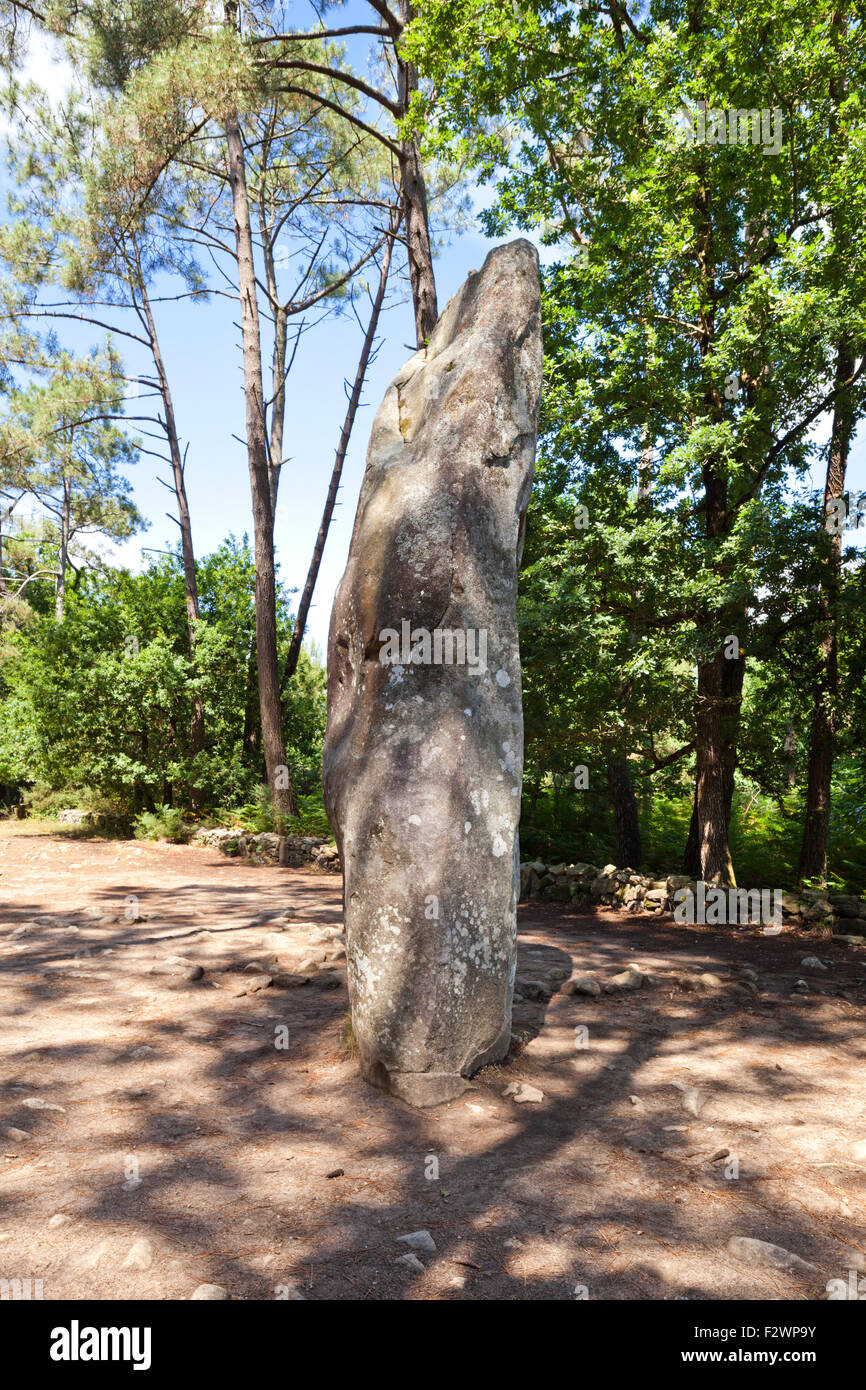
x: 763, y: 1254
x: 424, y: 749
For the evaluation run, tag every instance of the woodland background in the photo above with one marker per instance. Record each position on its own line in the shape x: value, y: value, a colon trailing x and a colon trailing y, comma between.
x: 693, y: 594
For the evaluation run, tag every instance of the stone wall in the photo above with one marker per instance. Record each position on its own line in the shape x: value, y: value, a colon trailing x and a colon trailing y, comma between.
x: 292, y: 851
x: 637, y: 893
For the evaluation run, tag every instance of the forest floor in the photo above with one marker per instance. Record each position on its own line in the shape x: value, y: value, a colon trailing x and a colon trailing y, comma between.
x: 157, y: 1133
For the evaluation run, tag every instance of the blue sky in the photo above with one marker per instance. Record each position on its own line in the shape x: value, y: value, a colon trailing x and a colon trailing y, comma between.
x: 205, y: 370
x: 200, y: 347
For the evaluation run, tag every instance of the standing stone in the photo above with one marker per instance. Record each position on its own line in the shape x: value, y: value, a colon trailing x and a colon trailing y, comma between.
x: 423, y: 755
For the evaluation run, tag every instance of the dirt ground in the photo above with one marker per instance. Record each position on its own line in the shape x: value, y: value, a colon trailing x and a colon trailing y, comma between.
x: 190, y: 1139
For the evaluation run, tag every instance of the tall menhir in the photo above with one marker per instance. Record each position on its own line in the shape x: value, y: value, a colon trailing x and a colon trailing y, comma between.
x: 423, y: 756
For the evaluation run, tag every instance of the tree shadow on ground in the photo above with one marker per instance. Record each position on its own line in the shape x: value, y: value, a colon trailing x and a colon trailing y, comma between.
x: 611, y: 1185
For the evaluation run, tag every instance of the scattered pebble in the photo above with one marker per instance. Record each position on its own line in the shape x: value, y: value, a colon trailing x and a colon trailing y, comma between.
x: 283, y: 979
x: 534, y: 989
x: 209, y: 1293
x: 692, y: 1100
x: 411, y: 1262
x: 250, y: 985
x: 327, y: 979
x: 763, y: 1254
x: 582, y: 984
x: 419, y: 1240
x: 627, y: 980
x: 556, y: 973
x: 523, y: 1092
x: 140, y: 1255
x: 93, y: 1257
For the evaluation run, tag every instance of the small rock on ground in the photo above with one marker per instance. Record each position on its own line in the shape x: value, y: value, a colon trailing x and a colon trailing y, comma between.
x: 419, y: 1240
x: 763, y: 1254
x: 523, y: 1092
x: 582, y: 984
x: 628, y: 979
x: 140, y: 1255
x: 411, y: 1262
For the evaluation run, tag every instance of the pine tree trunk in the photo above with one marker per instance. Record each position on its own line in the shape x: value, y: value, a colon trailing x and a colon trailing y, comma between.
x: 336, y: 472
x: 63, y: 551
x: 732, y: 683
x: 250, y: 740
x: 629, y: 851
x: 4, y: 587
x: 414, y: 194
x: 270, y: 704
x: 713, y: 712
x: 692, y: 852
x: 533, y: 799
x: 822, y: 736
x: 711, y: 788
x: 190, y: 580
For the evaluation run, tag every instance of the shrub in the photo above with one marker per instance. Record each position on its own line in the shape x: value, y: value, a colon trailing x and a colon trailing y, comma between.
x: 165, y: 823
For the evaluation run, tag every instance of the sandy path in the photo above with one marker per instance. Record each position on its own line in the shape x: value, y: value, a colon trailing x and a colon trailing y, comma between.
x: 195, y: 1134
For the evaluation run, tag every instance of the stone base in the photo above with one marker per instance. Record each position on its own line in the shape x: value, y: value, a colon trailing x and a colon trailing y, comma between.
x: 495, y: 1053
x: 426, y: 1088
x: 421, y: 1088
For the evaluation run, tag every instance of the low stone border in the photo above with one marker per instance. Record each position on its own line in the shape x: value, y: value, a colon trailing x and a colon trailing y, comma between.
x: 633, y: 892
x: 91, y: 820
x: 292, y: 851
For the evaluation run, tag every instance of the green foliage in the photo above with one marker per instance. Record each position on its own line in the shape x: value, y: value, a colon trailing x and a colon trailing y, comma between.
x: 695, y: 295
x: 258, y: 815
x: 163, y: 823
x: 105, y: 698
x: 311, y: 818
x: 573, y: 827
